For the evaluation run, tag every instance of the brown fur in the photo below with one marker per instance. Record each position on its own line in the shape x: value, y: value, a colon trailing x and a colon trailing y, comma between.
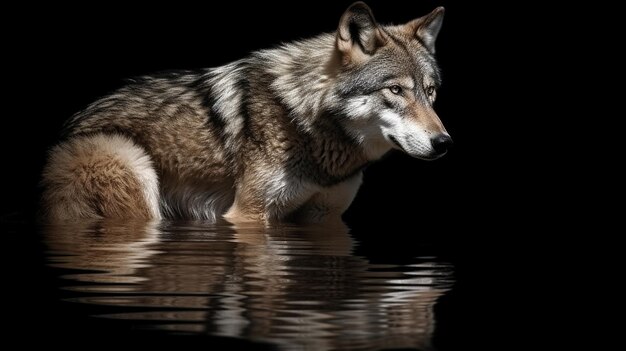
x: 264, y: 138
x: 87, y: 181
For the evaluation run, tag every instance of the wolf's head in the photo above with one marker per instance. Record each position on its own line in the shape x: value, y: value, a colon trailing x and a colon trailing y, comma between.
x: 388, y: 83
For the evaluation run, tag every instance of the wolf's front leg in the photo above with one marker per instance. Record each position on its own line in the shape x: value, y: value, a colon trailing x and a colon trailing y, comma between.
x: 248, y: 206
x: 268, y: 197
x: 327, y: 205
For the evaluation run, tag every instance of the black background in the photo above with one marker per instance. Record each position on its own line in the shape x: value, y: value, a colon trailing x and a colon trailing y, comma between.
x: 62, y: 58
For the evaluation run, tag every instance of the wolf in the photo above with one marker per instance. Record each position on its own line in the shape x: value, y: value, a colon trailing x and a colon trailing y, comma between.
x: 281, y: 135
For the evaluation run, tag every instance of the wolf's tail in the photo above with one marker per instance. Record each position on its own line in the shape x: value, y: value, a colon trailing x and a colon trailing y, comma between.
x: 100, y: 176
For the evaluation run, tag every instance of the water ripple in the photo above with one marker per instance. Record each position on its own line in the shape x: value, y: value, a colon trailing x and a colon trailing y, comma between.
x: 294, y: 287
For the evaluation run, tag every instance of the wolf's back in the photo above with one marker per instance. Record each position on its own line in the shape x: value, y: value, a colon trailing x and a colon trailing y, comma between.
x: 118, y: 152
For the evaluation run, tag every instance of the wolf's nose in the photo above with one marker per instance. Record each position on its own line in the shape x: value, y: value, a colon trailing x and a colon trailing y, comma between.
x: 441, y: 143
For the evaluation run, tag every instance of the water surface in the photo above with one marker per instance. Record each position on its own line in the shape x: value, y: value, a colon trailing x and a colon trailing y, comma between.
x: 293, y: 287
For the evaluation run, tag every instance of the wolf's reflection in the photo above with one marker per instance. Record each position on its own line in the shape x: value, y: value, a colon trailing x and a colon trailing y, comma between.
x: 292, y: 286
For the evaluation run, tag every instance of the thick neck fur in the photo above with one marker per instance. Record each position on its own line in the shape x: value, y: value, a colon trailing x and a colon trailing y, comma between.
x: 305, y: 73
x: 303, y: 77
x: 335, y: 154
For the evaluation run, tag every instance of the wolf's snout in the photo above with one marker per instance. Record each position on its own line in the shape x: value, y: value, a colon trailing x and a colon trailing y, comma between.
x: 441, y: 143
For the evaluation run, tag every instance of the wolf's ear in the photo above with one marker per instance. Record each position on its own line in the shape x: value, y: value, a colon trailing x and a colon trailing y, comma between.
x: 358, y: 30
x: 427, y: 28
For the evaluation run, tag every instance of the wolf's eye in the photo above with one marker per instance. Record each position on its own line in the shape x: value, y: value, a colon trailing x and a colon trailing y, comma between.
x: 396, y: 89
x: 430, y: 90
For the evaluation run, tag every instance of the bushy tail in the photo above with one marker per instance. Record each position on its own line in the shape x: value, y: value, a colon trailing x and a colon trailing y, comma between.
x: 100, y: 176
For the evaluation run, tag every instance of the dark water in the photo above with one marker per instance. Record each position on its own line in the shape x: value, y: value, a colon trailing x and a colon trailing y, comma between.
x: 287, y: 287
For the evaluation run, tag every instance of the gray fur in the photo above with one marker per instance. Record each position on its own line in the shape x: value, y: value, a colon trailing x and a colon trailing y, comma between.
x: 273, y: 134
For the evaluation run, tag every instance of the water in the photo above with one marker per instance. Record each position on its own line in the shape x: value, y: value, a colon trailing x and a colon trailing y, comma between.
x: 295, y: 288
